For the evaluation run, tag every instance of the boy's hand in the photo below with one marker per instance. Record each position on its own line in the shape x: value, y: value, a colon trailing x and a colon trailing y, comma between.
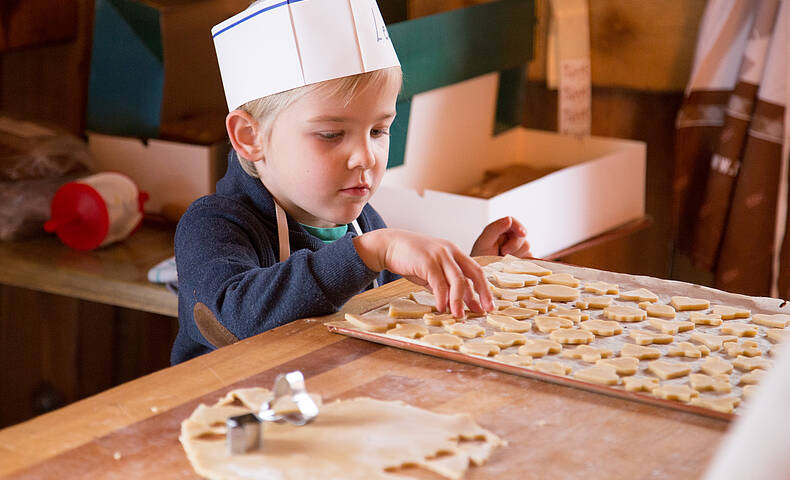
x: 501, y: 237
x: 449, y: 273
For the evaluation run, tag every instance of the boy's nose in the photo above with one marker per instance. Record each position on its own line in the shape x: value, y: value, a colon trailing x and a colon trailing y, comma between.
x: 362, y: 156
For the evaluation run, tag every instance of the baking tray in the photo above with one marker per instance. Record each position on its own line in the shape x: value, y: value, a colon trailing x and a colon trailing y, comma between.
x: 663, y: 288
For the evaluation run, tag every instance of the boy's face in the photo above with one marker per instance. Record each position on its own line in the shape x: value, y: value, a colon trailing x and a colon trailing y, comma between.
x: 325, y: 159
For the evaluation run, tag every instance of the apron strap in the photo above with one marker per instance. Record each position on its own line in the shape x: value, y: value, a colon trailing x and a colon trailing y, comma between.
x: 282, y: 232
x: 284, y: 240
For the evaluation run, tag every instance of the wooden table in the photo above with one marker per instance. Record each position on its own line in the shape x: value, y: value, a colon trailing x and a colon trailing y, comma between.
x: 114, y: 275
x: 131, y: 431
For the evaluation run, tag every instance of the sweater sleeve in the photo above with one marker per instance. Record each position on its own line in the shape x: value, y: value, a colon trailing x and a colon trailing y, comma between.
x: 232, y: 269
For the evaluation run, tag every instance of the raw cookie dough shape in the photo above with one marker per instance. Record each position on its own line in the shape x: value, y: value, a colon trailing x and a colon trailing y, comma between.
x: 539, y: 347
x: 511, y: 294
x: 698, y: 318
x: 524, y: 267
x: 715, y: 366
x: 624, y: 313
x: 557, y: 293
x: 513, y: 359
x: 682, y: 304
x: 720, y: 404
x: 508, y: 324
x: 600, y: 374
x: 560, y: 279
x: 749, y: 390
x: 596, y: 303
x: 667, y: 370
x: 622, y: 365
x: 505, y: 339
x: 602, y: 328
x: 688, y: 350
x: 374, y: 436
x: 424, y: 298
x: 408, y: 308
x: 554, y: 368
x: 680, y: 393
x: 728, y: 313
x: 443, y: 340
x: 573, y: 314
x: 716, y: 383
x: 746, y: 364
x: 546, y: 324
x: 540, y: 306
x: 479, y: 349
x: 639, y: 352
x: 571, y: 336
x: 465, y: 330
x: 639, y: 295
x: 747, y: 348
x: 587, y: 353
x: 518, y: 313
x: 409, y: 330
x: 776, y: 335
x: 512, y: 280
x: 643, y: 337
x: 779, y: 320
x: 713, y: 342
x: 753, y: 377
x: 499, y: 304
x: 440, y: 319
x: 739, y: 329
x: 670, y: 327
x: 371, y: 323
x: 657, y: 310
x: 640, y: 384
x: 601, y: 288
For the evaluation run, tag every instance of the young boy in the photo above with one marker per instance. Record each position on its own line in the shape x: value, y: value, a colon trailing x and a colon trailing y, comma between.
x: 289, y: 233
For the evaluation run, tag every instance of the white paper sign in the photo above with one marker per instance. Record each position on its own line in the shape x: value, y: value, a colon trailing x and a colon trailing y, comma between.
x: 568, y: 65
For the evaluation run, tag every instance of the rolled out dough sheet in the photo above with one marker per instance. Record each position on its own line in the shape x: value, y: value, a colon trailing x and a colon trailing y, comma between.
x: 361, y: 438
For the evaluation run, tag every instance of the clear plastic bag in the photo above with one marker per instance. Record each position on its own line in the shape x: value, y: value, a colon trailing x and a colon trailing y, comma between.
x: 29, y: 150
x: 35, y: 161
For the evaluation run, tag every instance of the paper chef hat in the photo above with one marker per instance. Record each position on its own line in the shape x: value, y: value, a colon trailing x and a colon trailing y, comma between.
x: 277, y: 45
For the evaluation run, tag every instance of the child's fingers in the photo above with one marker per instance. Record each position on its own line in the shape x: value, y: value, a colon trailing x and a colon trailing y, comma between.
x: 458, y: 286
x: 471, y: 299
x: 518, y: 227
x: 513, y: 244
x: 523, y: 251
x: 438, y: 285
x: 474, y: 272
x: 493, y: 230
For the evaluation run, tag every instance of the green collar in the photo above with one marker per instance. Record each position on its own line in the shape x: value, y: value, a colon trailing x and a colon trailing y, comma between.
x: 326, y: 235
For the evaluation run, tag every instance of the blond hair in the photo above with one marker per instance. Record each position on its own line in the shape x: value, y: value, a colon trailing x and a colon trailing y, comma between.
x: 266, y: 109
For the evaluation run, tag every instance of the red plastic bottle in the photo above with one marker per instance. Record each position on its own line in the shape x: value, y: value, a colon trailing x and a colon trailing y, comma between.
x: 95, y: 211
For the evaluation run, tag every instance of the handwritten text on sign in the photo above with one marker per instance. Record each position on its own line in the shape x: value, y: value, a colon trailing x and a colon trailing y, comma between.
x: 574, y: 97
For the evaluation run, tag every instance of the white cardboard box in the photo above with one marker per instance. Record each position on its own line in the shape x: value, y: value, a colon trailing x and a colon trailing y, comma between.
x: 450, y: 145
x: 173, y: 174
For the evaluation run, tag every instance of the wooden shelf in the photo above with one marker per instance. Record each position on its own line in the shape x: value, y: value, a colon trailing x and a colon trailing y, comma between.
x: 114, y: 275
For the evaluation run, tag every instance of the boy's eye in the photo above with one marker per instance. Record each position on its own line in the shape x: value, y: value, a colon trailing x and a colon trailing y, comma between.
x: 330, y: 135
x: 378, y: 132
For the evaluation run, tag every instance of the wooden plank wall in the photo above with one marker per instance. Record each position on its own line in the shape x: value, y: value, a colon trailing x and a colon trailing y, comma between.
x: 60, y: 349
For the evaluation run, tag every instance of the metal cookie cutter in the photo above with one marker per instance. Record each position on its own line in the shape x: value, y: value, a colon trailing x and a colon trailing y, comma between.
x: 244, y: 431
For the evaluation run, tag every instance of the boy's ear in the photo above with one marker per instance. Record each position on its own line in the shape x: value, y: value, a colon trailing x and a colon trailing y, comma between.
x: 243, y: 131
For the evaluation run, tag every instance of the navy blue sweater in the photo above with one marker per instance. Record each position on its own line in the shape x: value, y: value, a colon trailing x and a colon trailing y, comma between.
x: 231, y: 284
